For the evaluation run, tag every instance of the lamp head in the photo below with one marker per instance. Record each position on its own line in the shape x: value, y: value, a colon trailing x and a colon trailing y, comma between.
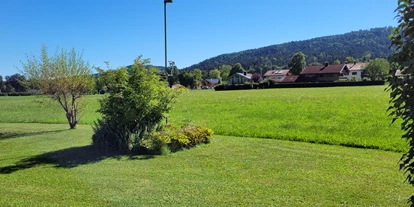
x: 168, y: 1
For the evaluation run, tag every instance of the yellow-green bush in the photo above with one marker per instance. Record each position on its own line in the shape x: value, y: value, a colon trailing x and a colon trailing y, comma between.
x: 177, y: 139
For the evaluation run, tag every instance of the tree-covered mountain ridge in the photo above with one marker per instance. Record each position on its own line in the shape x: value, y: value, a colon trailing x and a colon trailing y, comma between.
x: 362, y: 45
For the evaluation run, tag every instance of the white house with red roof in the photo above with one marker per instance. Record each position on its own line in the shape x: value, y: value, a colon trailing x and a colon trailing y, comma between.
x: 356, y: 71
x: 277, y: 75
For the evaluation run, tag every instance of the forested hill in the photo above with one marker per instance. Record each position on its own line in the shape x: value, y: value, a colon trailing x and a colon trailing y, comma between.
x: 362, y: 45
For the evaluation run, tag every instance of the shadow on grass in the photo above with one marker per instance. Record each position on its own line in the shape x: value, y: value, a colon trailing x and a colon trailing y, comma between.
x: 9, y: 135
x: 67, y: 158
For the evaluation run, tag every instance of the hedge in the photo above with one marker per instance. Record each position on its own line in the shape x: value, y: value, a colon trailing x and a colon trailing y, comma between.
x: 296, y: 85
x: 17, y: 94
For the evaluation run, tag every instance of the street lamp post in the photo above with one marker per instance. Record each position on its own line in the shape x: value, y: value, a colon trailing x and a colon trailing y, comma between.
x: 165, y: 29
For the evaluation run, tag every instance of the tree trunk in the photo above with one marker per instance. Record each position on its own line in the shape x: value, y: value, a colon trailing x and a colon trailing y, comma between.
x: 72, y: 120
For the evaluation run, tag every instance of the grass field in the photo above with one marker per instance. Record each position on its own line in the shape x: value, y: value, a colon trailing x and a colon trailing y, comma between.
x: 48, y: 165
x: 348, y: 116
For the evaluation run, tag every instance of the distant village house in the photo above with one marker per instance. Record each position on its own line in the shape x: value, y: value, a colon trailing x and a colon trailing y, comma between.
x: 239, y: 78
x: 356, y: 71
x: 209, y: 83
x: 277, y: 75
x: 325, y: 73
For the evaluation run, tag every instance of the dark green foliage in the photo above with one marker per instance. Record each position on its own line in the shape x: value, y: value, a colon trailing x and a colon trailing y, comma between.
x: 357, y: 44
x: 2, y: 85
x: 15, y: 83
x: 190, y: 79
x: 237, y: 68
x: 170, y: 74
x: 137, y: 103
x: 402, y: 88
x: 349, y: 59
x: 377, y: 69
x: 225, y: 71
x: 297, y: 63
x: 214, y: 74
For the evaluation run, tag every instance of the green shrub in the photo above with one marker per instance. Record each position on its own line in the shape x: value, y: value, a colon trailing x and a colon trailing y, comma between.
x: 137, y: 103
x: 176, y: 139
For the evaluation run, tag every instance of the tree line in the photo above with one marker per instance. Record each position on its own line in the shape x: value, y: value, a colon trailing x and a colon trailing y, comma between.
x: 375, y: 69
x: 363, y: 45
x: 13, y: 83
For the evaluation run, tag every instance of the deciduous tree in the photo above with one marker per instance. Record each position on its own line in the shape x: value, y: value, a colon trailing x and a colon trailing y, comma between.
x: 215, y: 74
x: 198, y: 76
x: 349, y: 59
x: 225, y: 71
x: 401, y: 89
x: 65, y: 77
x: 237, y: 68
x: 17, y: 82
x: 377, y: 68
x: 187, y: 79
x: 298, y: 63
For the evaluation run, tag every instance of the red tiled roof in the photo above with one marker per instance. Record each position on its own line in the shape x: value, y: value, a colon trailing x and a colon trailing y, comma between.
x: 276, y: 72
x: 290, y: 79
x: 321, y: 69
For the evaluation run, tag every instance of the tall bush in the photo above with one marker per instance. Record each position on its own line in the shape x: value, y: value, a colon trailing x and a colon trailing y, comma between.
x: 136, y: 105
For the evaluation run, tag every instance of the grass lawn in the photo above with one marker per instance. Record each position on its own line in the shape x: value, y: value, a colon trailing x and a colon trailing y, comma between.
x: 48, y: 165
x: 349, y: 116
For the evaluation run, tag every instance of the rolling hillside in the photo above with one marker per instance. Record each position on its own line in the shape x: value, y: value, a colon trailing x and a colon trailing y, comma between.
x: 362, y: 45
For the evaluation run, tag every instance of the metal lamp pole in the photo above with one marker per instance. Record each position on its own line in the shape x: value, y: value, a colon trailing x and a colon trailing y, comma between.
x: 165, y: 29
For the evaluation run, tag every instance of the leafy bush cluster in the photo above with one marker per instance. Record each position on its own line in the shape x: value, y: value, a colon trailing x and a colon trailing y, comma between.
x: 134, y: 108
x: 171, y: 139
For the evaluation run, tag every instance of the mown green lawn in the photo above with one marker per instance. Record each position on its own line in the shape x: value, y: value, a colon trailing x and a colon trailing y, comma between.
x: 349, y: 116
x: 48, y: 165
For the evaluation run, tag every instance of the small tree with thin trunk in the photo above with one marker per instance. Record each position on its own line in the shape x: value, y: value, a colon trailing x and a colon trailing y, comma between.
x: 65, y: 77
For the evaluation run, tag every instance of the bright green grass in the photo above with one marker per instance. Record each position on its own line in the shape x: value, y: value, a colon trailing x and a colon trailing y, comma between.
x: 47, y: 165
x: 350, y: 116
x: 40, y: 109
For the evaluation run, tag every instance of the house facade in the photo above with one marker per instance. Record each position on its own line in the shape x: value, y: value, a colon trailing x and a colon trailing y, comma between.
x: 239, y: 78
x: 277, y: 75
x: 290, y: 79
x: 324, y: 73
x: 356, y: 71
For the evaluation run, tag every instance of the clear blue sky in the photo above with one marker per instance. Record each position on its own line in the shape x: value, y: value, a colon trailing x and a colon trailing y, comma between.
x: 119, y: 30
